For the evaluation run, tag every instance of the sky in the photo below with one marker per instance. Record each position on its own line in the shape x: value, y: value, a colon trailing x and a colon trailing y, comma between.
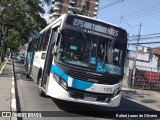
x: 129, y: 14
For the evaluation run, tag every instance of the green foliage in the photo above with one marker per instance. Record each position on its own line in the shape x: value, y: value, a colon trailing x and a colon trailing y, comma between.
x: 1, y: 49
x: 20, y: 19
x: 22, y: 15
x: 13, y: 40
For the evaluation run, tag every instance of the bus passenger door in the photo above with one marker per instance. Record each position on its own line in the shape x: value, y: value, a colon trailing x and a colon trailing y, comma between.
x: 48, y: 60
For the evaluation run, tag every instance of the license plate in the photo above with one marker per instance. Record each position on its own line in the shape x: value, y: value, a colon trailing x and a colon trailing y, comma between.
x: 90, y: 98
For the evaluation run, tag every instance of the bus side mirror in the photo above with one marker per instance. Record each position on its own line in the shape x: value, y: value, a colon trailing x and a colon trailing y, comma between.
x: 43, y: 56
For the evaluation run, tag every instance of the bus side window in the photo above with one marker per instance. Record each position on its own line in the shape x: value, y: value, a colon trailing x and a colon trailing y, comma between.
x: 50, y: 59
x: 36, y: 44
x: 42, y: 41
x: 29, y: 47
x: 39, y: 43
x: 32, y: 45
x: 54, y: 39
x: 46, y: 39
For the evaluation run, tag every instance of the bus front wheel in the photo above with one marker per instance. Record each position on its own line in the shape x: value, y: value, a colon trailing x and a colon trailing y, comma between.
x: 41, y: 92
x: 27, y: 75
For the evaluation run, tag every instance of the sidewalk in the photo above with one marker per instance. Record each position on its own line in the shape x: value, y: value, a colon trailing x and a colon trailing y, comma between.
x: 148, y: 98
x: 5, y: 88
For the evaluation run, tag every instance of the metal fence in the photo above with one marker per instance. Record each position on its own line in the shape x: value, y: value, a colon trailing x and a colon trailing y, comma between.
x: 147, y: 78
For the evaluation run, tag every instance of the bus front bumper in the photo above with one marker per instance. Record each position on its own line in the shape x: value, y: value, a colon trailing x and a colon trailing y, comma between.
x: 56, y: 91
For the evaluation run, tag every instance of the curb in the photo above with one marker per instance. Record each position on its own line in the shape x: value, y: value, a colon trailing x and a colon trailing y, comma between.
x: 13, y: 94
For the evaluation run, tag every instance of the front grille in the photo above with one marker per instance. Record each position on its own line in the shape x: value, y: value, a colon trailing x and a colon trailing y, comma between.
x: 78, y: 94
x: 104, y: 79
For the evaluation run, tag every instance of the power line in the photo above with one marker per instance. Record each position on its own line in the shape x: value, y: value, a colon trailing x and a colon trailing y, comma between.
x: 139, y: 15
x: 151, y: 34
x: 111, y: 4
x: 152, y: 37
x: 143, y: 14
x: 146, y: 35
x: 152, y: 9
x: 143, y: 9
x: 128, y: 23
x: 144, y: 43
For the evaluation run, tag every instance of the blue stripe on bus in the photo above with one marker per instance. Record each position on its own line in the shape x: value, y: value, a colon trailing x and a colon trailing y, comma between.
x: 82, y: 85
x: 74, y: 83
x: 65, y: 77
x: 59, y: 72
x: 78, y: 84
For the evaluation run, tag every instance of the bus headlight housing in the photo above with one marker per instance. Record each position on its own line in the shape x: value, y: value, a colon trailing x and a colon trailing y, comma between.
x: 57, y: 78
x: 64, y: 84
x: 60, y: 81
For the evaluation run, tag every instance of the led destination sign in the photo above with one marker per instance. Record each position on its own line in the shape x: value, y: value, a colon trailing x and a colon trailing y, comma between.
x: 94, y: 27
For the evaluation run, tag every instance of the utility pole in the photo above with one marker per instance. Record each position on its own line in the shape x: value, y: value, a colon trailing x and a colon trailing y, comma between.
x: 135, y: 58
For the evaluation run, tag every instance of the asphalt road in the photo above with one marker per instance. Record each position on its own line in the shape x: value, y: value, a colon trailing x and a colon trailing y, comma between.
x: 28, y: 99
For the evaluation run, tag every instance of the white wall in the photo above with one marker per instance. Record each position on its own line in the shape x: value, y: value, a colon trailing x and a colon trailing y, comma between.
x: 143, y: 59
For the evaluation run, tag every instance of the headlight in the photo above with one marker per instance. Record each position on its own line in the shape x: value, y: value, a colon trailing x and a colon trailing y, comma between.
x: 64, y: 84
x: 57, y: 78
x: 60, y: 81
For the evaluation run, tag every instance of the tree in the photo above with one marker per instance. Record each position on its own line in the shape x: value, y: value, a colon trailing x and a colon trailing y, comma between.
x: 20, y: 19
x: 14, y: 40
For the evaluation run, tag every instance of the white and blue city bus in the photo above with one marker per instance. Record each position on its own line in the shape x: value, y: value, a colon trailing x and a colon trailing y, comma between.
x: 80, y: 59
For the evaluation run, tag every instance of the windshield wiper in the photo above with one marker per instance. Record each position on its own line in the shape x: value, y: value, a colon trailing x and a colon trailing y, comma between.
x: 108, y: 48
x: 87, y: 41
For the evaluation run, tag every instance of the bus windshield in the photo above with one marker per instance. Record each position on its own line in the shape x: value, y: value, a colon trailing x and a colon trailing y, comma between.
x: 89, y: 51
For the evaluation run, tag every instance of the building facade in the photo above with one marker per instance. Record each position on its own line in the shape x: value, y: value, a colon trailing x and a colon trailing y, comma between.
x: 147, y: 74
x: 59, y: 7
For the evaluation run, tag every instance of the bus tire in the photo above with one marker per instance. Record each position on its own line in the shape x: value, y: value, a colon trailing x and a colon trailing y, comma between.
x: 27, y: 75
x: 41, y: 92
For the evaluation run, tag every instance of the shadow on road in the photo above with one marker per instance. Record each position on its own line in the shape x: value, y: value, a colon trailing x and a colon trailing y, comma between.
x: 133, y: 94
x: 101, y: 111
